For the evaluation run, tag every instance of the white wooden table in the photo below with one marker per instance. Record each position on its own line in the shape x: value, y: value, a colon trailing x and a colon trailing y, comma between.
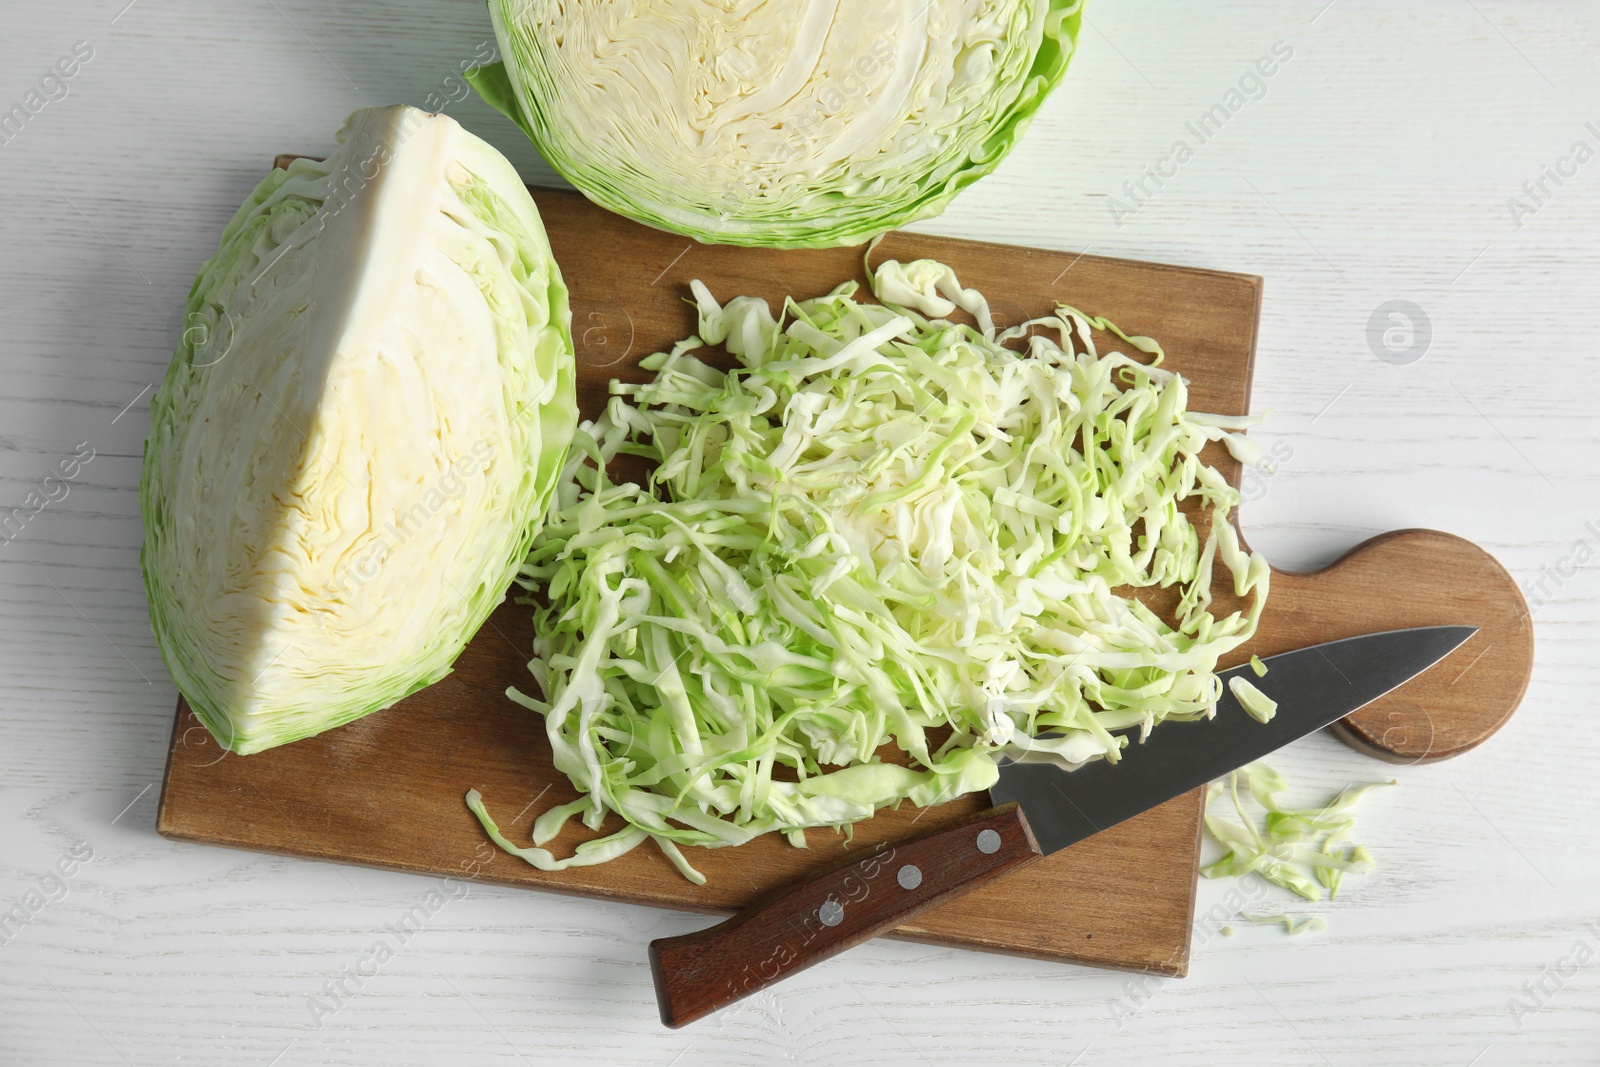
x: 1376, y: 164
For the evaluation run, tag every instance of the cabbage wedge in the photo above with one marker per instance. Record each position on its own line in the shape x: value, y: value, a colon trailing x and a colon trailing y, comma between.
x: 359, y: 433
x: 791, y: 123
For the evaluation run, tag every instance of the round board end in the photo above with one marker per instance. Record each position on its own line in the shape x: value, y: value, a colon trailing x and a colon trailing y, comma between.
x: 1417, y: 578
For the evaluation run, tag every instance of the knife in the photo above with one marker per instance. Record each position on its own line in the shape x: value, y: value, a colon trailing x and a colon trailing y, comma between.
x: 1039, y: 809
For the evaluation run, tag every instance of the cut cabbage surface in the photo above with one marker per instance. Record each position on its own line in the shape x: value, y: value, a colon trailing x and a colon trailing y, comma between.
x: 880, y: 528
x: 786, y: 123
x: 359, y: 432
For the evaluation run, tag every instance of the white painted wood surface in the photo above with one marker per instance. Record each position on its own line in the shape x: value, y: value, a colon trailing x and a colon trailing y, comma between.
x: 1377, y: 165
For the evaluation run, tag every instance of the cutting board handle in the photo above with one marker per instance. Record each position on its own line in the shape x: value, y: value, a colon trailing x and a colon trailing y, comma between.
x: 1414, y: 578
x: 699, y: 973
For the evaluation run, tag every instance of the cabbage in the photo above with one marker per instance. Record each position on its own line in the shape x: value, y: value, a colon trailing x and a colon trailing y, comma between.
x: 1304, y: 850
x: 1256, y: 704
x: 781, y: 124
x: 879, y: 529
x: 359, y: 432
x: 1291, y: 924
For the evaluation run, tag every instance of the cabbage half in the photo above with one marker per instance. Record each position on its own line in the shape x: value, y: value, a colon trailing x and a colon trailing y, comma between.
x: 359, y: 432
x: 781, y: 124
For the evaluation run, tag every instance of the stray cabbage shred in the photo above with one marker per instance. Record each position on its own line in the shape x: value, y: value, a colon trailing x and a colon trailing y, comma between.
x: 880, y: 528
x: 1256, y: 704
x: 1304, y: 850
x: 1291, y: 924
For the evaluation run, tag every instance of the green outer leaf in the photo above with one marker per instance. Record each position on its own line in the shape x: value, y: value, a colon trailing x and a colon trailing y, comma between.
x: 493, y: 84
x: 630, y: 194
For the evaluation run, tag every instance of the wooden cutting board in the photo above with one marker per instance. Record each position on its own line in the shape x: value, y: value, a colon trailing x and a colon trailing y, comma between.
x: 386, y: 791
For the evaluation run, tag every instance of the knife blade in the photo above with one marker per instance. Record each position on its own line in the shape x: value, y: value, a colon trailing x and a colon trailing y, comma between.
x: 1313, y: 686
x: 1039, y: 809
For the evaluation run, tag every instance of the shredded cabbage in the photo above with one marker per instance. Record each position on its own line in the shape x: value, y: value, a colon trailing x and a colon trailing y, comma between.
x: 881, y: 528
x: 1305, y: 850
x: 1291, y: 924
x: 1257, y: 704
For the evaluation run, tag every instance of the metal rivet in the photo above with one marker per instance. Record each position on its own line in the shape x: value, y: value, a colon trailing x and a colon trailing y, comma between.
x: 988, y: 842
x: 831, y: 913
x: 909, y: 876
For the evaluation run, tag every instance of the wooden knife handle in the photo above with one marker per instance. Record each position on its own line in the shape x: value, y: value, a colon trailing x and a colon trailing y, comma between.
x: 698, y: 973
